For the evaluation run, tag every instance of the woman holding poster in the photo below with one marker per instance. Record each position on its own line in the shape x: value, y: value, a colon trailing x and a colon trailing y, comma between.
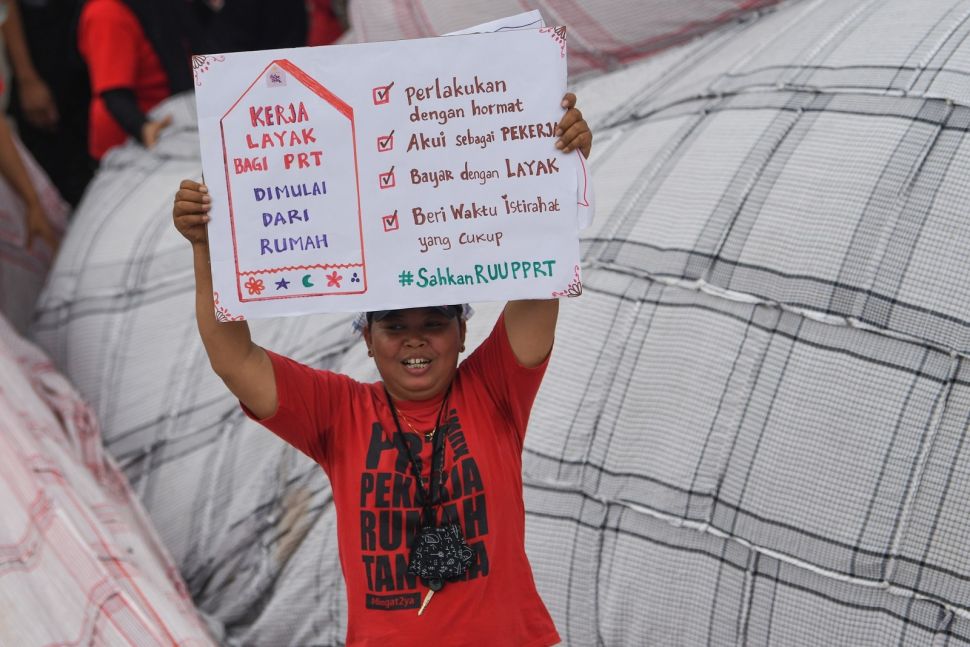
x: 425, y: 466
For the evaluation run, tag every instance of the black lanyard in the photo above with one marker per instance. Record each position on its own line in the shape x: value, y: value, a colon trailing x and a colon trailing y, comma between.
x: 426, y: 498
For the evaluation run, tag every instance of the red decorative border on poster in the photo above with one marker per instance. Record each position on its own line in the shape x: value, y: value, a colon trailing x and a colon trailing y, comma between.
x: 249, y: 278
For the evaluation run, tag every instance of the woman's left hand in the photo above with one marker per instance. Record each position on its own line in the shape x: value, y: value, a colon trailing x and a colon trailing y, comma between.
x: 573, y: 130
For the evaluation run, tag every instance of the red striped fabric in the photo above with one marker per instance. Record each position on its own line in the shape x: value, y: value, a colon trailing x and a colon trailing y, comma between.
x: 603, y: 34
x: 79, y: 562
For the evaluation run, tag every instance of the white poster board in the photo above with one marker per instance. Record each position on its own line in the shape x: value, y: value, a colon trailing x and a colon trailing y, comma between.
x: 389, y: 175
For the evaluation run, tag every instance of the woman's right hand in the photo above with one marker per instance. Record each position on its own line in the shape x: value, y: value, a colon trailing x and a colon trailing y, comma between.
x: 191, y: 211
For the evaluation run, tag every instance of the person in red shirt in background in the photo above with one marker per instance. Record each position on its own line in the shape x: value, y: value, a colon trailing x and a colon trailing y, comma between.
x: 138, y: 52
x: 326, y: 22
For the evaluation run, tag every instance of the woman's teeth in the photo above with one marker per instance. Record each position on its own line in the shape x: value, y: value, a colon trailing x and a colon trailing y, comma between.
x: 416, y: 363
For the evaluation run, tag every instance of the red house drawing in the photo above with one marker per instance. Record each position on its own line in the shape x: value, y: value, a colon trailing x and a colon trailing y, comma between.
x: 290, y: 152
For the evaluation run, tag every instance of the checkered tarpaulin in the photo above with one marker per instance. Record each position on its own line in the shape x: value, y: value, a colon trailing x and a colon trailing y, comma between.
x: 752, y: 431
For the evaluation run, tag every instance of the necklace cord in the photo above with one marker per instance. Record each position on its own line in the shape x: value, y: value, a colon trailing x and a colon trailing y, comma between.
x: 428, y: 499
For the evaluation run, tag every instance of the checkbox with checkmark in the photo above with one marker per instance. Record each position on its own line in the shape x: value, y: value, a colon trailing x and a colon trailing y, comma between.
x: 385, y: 143
x: 382, y: 94
x: 386, y: 180
x: 391, y: 222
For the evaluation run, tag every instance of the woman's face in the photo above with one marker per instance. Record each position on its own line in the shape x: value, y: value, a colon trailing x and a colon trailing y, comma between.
x: 416, y: 351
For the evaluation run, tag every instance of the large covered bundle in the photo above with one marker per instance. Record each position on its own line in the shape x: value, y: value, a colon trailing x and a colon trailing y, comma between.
x: 765, y: 444
x: 603, y: 34
x: 232, y: 503
x: 752, y: 430
x: 80, y: 563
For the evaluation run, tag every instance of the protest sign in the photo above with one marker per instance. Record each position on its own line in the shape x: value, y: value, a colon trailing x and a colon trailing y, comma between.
x: 389, y: 175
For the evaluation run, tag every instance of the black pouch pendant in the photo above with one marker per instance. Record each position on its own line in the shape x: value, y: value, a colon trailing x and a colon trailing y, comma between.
x: 439, y: 553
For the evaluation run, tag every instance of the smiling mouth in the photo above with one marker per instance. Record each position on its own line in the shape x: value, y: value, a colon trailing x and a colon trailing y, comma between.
x: 416, y: 363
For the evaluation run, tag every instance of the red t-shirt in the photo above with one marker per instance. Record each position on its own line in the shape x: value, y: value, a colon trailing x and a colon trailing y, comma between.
x: 347, y: 428
x: 118, y: 55
x: 324, y: 28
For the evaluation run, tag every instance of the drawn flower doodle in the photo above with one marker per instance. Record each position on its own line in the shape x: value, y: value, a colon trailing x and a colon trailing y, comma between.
x: 559, y: 35
x: 575, y: 287
x: 334, y: 279
x: 201, y: 64
x: 254, y: 285
x: 222, y: 314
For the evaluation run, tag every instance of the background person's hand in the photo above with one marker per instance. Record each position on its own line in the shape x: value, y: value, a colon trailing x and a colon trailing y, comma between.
x: 37, y: 102
x: 573, y: 131
x: 190, y: 211
x: 39, y: 227
x: 152, y: 129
